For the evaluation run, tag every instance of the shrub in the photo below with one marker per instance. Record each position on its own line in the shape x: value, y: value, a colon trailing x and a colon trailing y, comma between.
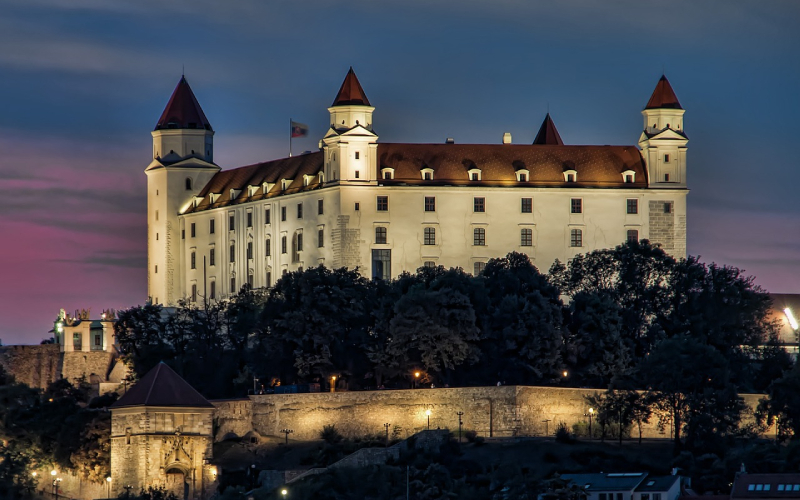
x: 330, y: 435
x: 562, y: 434
x: 471, y: 436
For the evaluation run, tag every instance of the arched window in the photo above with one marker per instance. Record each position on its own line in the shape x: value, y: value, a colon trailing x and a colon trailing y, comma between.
x: 188, y: 184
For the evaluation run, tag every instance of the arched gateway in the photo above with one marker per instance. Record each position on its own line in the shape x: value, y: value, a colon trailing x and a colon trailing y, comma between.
x: 161, y: 435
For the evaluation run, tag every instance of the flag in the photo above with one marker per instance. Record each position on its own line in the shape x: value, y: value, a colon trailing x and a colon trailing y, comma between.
x: 299, y: 129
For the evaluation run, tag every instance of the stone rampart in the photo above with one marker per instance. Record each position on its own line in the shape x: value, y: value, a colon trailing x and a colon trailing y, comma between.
x: 35, y: 365
x: 94, y: 365
x: 504, y: 411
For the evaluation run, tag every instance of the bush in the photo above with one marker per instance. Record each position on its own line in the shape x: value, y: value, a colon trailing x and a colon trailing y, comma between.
x: 562, y: 434
x: 330, y: 435
x: 471, y: 436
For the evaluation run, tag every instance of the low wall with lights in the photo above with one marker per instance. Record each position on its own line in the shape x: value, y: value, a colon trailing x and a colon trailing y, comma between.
x: 504, y: 411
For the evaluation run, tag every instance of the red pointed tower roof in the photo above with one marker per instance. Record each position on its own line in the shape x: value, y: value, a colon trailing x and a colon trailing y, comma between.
x: 663, y: 96
x: 351, y: 92
x: 183, y: 110
x: 548, y: 134
x: 161, y: 386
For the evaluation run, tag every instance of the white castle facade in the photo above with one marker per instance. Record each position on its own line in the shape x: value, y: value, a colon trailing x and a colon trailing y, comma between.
x: 385, y: 208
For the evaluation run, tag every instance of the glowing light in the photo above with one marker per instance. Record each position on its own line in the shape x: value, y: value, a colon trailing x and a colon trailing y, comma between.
x: 591, y: 411
x: 108, y: 479
x: 565, y: 373
x: 791, y: 318
x: 428, y: 413
x: 33, y: 474
x: 416, y: 374
x: 284, y: 492
x: 53, y: 472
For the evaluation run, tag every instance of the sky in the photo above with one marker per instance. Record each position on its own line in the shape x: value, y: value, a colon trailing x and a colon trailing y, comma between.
x: 82, y: 83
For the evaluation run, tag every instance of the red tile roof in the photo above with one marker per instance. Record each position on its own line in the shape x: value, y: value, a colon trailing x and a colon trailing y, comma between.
x: 351, y: 92
x: 183, y: 110
x: 596, y: 166
x: 548, y: 133
x: 161, y: 386
x: 663, y: 96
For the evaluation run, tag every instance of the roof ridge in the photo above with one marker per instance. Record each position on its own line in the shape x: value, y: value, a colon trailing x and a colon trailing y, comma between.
x: 153, y: 383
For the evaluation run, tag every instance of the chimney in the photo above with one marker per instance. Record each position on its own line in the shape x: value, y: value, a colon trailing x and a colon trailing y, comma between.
x: 450, y: 140
x: 507, y: 138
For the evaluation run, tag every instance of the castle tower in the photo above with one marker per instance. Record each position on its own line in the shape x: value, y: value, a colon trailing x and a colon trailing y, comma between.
x: 182, y: 164
x: 162, y: 436
x: 351, y: 145
x: 663, y: 140
x: 548, y: 134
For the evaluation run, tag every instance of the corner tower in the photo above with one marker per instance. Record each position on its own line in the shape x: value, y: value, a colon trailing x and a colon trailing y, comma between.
x: 350, y: 145
x: 663, y: 140
x: 181, y: 166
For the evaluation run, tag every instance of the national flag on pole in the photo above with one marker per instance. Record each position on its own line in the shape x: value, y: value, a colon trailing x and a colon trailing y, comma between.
x: 299, y: 129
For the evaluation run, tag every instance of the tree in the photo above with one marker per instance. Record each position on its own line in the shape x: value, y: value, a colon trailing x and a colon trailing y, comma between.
x: 783, y: 405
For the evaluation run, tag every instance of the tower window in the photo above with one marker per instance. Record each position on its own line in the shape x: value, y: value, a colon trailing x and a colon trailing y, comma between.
x: 632, y: 206
x: 212, y: 258
x: 479, y: 236
x: 429, y: 236
x: 283, y: 244
x: 576, y: 206
x: 267, y: 216
x: 211, y: 226
x: 429, y: 263
x: 183, y: 234
x: 156, y: 214
x: 212, y: 290
x: 194, y: 261
x: 188, y: 184
x: 320, y: 207
x: 667, y: 207
x: 269, y: 278
x: 357, y: 157
x: 156, y: 236
x: 526, y: 237
x: 358, y: 174
x: 299, y: 210
x: 233, y: 252
x: 268, y: 247
x: 430, y: 203
x: 666, y: 158
x: 249, y: 250
x: 479, y: 205
x: 299, y: 242
x: 192, y: 229
x: 194, y: 292
x: 380, y: 235
x: 233, y: 284
x: 321, y: 237
x: 575, y: 238
x: 666, y: 177
x: 249, y: 219
x: 633, y: 236
x: 383, y: 203
x: 156, y: 268
x: 358, y: 206
x: 283, y: 214
x: 231, y: 223
x: 381, y: 264
x: 527, y: 205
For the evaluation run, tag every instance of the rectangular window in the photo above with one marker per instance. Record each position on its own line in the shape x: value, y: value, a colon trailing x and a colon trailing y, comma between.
x: 666, y: 158
x: 267, y: 216
x: 428, y: 176
x: 183, y: 234
x: 570, y: 177
x: 357, y: 155
x: 523, y: 177
x: 479, y: 204
x: 249, y: 250
x: 429, y: 236
x: 98, y: 342
x: 387, y: 176
x: 299, y: 210
x: 383, y: 203
x: 527, y: 205
x: 283, y: 244
x: 268, y: 247
x: 576, y: 238
x: 429, y: 263
x: 474, y: 176
x: 430, y: 203
x: 576, y: 206
x: 249, y: 219
x: 211, y: 226
x: 358, y: 206
x: 382, y: 264
x: 666, y: 177
x: 633, y: 206
x: 283, y: 214
x: 212, y: 290
x: 194, y: 292
x: 320, y: 207
x: 358, y: 174
x: 233, y: 285
x: 479, y: 236
x: 156, y: 268
x: 478, y: 268
x: 76, y: 341
x: 668, y: 207
x: 526, y: 237
x: 211, y: 257
x: 633, y: 236
x: 193, y: 231
x: 233, y: 253
x: 156, y: 236
x: 628, y: 179
x: 321, y: 238
x: 231, y: 223
x: 299, y: 242
x: 194, y: 261
x: 380, y: 235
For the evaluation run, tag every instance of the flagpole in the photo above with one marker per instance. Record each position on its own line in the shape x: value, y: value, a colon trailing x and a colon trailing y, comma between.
x: 290, y: 137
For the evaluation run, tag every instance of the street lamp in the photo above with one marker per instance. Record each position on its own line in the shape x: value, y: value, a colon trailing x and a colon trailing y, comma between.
x: 591, y: 414
x: 416, y: 377
x: 386, y: 425
x: 108, y: 487
x: 284, y: 492
x: 333, y: 383
x: 428, y: 413
x: 460, y: 414
x: 287, y: 432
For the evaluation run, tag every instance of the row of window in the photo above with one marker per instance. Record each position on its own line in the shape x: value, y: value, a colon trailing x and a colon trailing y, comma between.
x: 475, y: 174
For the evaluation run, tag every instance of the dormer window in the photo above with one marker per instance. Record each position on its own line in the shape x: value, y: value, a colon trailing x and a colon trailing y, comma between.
x: 188, y: 184
x: 213, y: 197
x: 251, y: 191
x: 427, y: 174
x: 629, y: 177
x: 321, y: 177
x: 474, y: 174
x: 265, y: 187
x: 307, y: 180
x: 570, y: 176
x: 234, y: 193
x: 522, y: 175
x: 387, y: 174
x: 285, y: 183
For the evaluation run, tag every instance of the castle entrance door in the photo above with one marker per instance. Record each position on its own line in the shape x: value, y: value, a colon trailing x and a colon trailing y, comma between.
x: 176, y: 483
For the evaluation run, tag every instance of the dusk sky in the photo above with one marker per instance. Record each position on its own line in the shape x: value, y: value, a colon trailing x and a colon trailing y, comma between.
x: 82, y: 83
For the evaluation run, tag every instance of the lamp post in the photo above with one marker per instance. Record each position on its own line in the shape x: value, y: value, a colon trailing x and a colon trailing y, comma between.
x: 460, y: 414
x: 108, y: 487
x: 546, y: 427
x: 591, y: 414
x: 286, y: 433
x: 416, y: 378
x: 428, y: 413
x: 333, y: 383
x: 284, y: 492
x: 386, y: 426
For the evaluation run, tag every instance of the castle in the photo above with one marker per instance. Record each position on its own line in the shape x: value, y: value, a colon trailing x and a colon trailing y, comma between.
x: 385, y: 208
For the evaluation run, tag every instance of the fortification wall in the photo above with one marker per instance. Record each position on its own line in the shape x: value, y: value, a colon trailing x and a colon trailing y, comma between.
x: 35, y: 365
x: 491, y: 411
x: 77, y: 364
